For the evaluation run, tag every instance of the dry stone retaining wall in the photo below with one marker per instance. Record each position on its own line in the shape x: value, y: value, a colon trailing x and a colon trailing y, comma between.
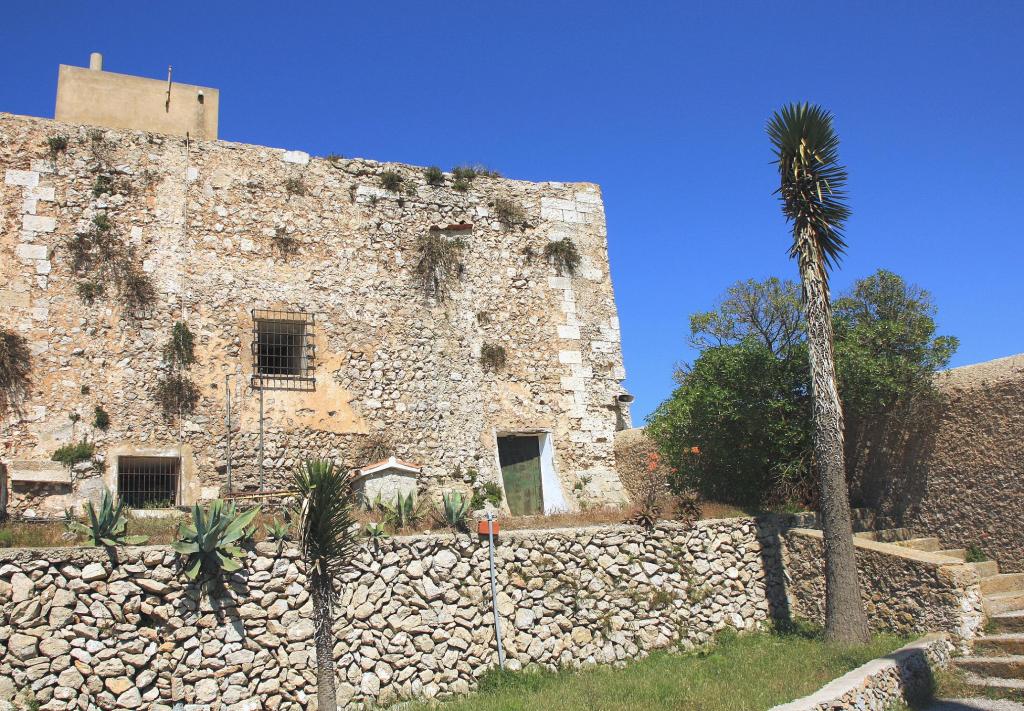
x: 905, y: 591
x: 83, y: 633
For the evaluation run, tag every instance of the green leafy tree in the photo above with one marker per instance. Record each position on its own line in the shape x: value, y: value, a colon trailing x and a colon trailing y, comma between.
x: 328, y: 541
x: 744, y: 403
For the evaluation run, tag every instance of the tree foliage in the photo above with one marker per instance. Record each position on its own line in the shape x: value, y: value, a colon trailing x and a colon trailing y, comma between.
x: 744, y: 403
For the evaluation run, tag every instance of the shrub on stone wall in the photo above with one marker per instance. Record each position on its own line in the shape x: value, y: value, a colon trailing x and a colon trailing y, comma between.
x: 562, y: 253
x: 15, y: 370
x: 434, y: 176
x: 439, y: 263
x: 509, y: 212
x: 176, y: 394
x: 71, y: 454
x: 391, y: 181
x: 493, y: 356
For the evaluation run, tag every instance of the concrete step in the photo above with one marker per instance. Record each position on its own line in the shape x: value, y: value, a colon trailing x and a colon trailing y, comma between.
x: 958, y: 553
x: 1007, y: 622
x: 887, y: 535
x: 928, y: 543
x: 1011, y: 688
x: 999, y: 645
x: 1005, y: 582
x: 986, y: 568
x: 997, y: 603
x: 1006, y: 667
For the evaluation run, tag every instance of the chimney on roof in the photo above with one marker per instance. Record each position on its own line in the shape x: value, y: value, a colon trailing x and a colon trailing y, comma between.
x: 96, y: 62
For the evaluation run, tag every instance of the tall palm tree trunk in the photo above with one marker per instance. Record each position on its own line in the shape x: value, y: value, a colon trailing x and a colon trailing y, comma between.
x: 323, y: 637
x: 845, y: 621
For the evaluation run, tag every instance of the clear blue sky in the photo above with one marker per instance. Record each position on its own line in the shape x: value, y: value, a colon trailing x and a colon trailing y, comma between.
x: 664, y: 105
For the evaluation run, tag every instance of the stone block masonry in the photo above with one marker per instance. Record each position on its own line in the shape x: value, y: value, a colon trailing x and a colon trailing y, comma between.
x: 221, y: 229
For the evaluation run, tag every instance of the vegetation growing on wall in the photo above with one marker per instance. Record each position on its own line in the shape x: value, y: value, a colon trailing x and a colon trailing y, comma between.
x: 744, y: 402
x: 175, y: 391
x: 562, y: 253
x: 295, y: 186
x: 15, y: 371
x: 509, y: 212
x: 433, y: 176
x: 391, y: 181
x: 100, y: 420
x: 56, y: 145
x: 100, y: 255
x: 439, y: 263
x: 492, y: 356
x: 71, y: 454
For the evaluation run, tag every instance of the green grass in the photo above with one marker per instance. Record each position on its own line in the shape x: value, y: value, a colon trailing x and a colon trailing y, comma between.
x: 750, y: 672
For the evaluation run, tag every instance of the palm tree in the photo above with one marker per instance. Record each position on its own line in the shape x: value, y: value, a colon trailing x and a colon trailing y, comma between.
x: 327, y: 541
x: 813, y: 199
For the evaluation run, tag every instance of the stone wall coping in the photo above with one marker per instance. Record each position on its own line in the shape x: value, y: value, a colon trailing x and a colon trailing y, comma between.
x: 830, y: 695
x: 892, y: 549
x: 198, y: 144
x: 96, y: 553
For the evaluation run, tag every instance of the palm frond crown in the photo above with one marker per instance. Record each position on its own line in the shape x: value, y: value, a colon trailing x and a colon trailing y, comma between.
x: 812, y: 181
x: 327, y: 536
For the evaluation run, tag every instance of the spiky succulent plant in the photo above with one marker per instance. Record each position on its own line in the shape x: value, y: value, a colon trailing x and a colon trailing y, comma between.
x: 106, y: 527
x: 454, y: 510
x: 211, y: 542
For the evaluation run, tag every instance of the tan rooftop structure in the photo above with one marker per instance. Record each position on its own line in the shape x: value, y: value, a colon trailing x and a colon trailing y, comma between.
x: 99, y: 98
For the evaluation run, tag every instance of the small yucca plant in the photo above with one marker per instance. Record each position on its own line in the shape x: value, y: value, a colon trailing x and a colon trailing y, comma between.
x: 106, y: 527
x: 374, y: 533
x: 211, y: 542
x: 278, y: 530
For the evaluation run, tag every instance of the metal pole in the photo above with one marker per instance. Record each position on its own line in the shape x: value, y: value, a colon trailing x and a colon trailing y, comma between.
x: 494, y: 590
x: 261, y: 438
x: 227, y: 391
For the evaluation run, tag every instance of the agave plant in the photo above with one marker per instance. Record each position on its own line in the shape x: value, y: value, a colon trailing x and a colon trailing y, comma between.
x: 106, y: 527
x: 454, y: 510
x: 405, y: 512
x: 374, y: 533
x: 211, y: 542
x: 278, y: 530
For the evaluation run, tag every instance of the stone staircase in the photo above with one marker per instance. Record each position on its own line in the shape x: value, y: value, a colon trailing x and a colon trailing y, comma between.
x: 998, y: 657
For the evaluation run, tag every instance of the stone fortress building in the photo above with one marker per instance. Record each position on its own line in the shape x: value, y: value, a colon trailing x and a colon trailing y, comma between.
x: 352, y: 307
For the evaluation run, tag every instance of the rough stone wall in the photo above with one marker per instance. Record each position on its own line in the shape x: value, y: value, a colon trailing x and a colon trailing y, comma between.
x: 904, y: 677
x: 80, y: 632
x: 218, y: 232
x: 905, y: 591
x: 958, y: 472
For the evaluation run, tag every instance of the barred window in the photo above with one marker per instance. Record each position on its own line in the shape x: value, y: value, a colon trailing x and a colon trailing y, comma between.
x: 283, y: 349
x: 148, y: 482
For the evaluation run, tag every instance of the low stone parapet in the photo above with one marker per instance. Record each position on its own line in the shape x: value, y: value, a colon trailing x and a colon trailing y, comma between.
x: 906, y: 675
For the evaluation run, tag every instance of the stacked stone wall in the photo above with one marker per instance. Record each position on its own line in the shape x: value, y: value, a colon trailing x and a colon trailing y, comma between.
x: 82, y: 632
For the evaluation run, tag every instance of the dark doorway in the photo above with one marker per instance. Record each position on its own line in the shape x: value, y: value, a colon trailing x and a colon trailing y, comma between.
x: 519, y: 456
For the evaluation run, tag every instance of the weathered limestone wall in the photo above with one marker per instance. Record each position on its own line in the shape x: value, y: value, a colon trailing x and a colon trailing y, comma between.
x: 958, y: 472
x: 417, y: 617
x: 905, y: 591
x: 218, y: 234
